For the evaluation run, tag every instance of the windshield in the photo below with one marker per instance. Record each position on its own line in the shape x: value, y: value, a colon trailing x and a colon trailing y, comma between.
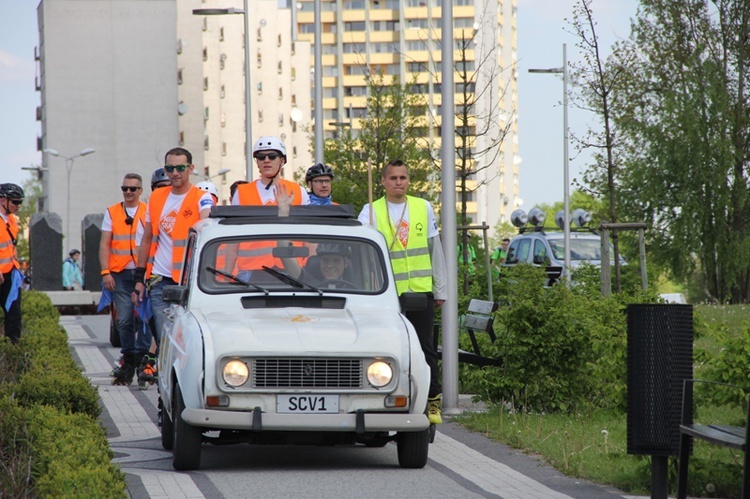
x: 292, y: 263
x: 580, y: 249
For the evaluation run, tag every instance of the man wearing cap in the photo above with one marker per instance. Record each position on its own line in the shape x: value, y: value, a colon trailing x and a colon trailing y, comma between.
x: 72, y: 278
x: 270, y: 156
x: 411, y: 233
x: 11, y: 198
x: 319, y: 179
x: 122, y: 231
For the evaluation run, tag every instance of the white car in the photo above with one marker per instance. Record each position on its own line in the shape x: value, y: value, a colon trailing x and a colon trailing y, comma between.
x: 271, y: 351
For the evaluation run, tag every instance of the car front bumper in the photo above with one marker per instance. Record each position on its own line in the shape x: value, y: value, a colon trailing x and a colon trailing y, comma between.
x: 264, y: 421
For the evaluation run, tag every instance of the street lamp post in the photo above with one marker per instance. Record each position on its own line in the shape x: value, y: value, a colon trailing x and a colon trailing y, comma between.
x: 69, y: 165
x: 566, y: 181
x: 248, y: 107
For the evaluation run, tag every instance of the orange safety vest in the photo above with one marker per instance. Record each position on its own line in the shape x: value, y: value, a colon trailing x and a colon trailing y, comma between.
x: 8, y: 240
x: 254, y: 255
x: 122, y: 248
x: 189, y: 213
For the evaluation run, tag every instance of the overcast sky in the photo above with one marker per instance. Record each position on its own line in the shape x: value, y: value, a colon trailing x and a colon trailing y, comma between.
x: 541, y: 33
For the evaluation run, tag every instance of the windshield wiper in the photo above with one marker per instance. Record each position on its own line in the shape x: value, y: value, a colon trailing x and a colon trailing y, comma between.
x: 236, y: 279
x: 287, y: 279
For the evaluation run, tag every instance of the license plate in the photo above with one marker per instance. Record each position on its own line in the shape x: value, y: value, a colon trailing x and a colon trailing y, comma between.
x: 307, y: 404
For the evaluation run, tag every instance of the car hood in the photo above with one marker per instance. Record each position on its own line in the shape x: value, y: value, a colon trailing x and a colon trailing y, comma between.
x: 304, y: 331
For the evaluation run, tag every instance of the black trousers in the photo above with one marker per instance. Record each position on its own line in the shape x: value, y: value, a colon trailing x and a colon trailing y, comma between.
x: 12, y: 315
x: 423, y: 322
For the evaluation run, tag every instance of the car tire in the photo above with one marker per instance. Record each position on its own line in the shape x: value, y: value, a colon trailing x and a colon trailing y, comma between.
x: 167, y: 430
x: 186, y: 442
x: 413, y: 447
x: 114, y: 334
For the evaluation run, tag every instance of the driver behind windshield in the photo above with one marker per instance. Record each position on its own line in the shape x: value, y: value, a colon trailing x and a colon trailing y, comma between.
x: 326, y: 268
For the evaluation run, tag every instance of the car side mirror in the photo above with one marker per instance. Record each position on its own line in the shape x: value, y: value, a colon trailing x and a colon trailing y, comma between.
x: 175, y: 294
x: 540, y: 260
x: 413, y: 302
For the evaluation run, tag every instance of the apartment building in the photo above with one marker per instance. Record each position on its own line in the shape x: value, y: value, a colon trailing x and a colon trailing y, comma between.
x: 403, y: 38
x: 211, y: 86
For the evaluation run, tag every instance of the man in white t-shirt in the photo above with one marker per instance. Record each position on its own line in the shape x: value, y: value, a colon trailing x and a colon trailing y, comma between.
x: 411, y: 232
x: 171, y: 212
x: 122, y: 231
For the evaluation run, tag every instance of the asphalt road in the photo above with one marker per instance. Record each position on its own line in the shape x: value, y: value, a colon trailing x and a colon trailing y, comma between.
x: 461, y: 464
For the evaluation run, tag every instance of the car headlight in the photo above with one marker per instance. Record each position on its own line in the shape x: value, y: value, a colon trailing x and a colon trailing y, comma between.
x: 235, y: 373
x: 379, y: 373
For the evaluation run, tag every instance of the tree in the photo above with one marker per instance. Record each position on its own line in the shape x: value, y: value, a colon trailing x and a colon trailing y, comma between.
x: 598, y: 81
x: 481, y: 122
x: 390, y: 129
x: 32, y: 188
x: 685, y: 120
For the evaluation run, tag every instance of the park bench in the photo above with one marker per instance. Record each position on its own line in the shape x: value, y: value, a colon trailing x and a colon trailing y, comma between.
x: 734, y: 437
x: 479, y: 318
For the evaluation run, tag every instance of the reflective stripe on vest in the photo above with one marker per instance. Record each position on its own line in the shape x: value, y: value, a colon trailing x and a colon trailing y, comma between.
x: 122, y: 248
x: 189, y: 214
x: 7, y: 248
x: 254, y: 255
x: 412, y: 267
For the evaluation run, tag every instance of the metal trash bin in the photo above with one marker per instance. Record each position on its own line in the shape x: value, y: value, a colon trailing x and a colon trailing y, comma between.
x: 660, y: 358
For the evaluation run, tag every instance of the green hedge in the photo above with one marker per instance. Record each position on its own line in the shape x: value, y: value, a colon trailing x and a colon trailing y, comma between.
x: 51, y: 443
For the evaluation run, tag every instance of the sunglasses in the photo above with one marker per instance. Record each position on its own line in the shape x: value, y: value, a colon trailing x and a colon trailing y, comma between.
x: 179, y: 168
x: 262, y: 157
x: 17, y: 202
x: 126, y: 188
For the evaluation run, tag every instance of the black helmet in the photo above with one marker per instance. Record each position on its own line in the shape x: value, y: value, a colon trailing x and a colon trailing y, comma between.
x: 11, y: 191
x: 333, y: 249
x: 158, y: 176
x: 319, y: 170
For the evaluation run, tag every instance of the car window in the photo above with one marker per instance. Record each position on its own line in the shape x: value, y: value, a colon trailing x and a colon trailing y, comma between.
x: 343, y: 265
x: 187, y: 260
x: 580, y: 249
x: 524, y: 248
x: 540, y: 253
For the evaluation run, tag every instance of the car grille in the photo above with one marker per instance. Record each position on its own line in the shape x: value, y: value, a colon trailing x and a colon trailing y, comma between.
x: 307, y: 373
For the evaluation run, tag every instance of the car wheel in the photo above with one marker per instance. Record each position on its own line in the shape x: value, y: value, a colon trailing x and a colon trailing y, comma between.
x: 167, y: 430
x: 186, y: 443
x: 413, y: 447
x: 114, y: 334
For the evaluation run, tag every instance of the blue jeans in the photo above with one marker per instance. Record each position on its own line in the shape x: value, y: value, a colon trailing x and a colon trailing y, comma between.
x: 159, y: 307
x: 133, y: 337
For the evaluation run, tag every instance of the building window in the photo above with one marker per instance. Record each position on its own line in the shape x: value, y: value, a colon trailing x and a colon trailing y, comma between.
x: 223, y: 148
x: 259, y: 36
x: 294, y: 99
x: 259, y: 57
x: 260, y: 88
x: 205, y: 143
x: 179, y: 76
x: 205, y: 83
x: 223, y: 120
x: 182, y: 138
x: 294, y: 73
x: 221, y: 34
x: 222, y: 92
x: 222, y: 60
x: 260, y: 115
x: 205, y: 54
x: 281, y: 119
x: 278, y: 41
x: 281, y: 93
x: 279, y: 67
x: 205, y: 114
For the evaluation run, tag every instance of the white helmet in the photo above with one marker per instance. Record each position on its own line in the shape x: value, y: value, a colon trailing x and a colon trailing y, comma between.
x: 269, y: 143
x: 208, y: 187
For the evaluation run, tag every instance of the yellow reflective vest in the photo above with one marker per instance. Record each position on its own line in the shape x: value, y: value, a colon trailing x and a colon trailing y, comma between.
x: 412, y: 267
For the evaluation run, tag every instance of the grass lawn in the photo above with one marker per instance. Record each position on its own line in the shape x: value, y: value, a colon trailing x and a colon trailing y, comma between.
x: 594, y: 446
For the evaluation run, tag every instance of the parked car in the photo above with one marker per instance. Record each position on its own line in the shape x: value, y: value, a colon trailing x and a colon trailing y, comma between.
x: 544, y: 246
x: 284, y: 353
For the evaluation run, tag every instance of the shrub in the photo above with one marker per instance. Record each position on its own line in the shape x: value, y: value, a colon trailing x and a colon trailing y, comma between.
x: 72, y: 456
